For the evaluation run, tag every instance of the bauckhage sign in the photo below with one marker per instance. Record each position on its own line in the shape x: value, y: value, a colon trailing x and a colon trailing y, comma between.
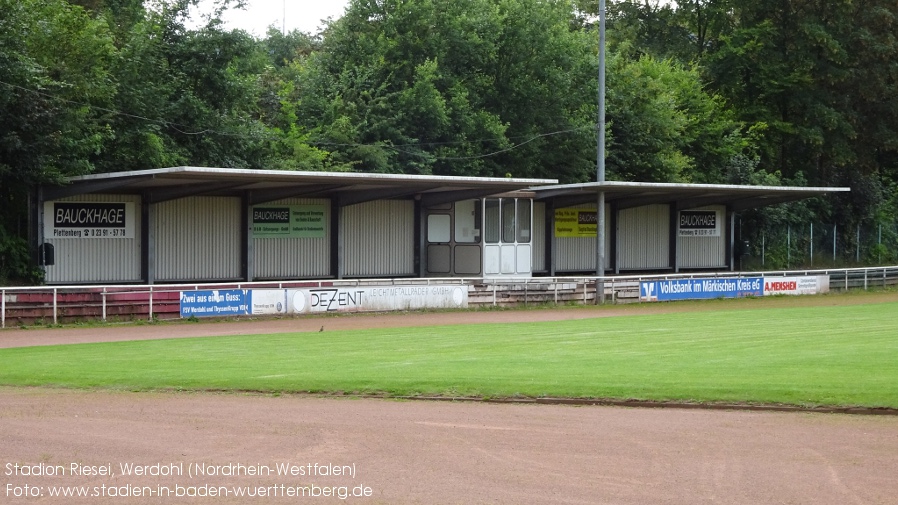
x: 698, y: 223
x: 289, y: 221
x: 88, y: 220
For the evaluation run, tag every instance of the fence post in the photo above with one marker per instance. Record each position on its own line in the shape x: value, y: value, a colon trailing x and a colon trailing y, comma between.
x: 103, y: 303
x: 54, y: 306
x: 151, y: 304
x: 2, y: 308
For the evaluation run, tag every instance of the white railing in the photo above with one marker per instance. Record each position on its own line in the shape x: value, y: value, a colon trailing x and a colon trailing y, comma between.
x: 615, y: 287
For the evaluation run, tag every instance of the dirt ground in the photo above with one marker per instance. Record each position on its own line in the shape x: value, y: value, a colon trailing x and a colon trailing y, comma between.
x: 440, y: 453
x: 402, y: 452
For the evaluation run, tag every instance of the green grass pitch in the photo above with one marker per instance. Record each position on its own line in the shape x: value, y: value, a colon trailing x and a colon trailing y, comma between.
x: 836, y: 355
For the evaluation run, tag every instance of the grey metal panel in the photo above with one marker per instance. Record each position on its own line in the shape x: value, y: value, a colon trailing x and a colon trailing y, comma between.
x: 577, y: 254
x: 285, y: 258
x: 104, y: 260
x: 198, y: 238
x: 439, y: 259
x: 539, y: 237
x: 644, y: 237
x: 379, y: 238
x: 468, y: 259
x: 705, y: 252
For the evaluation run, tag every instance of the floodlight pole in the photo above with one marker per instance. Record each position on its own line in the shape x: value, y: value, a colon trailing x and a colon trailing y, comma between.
x: 600, y: 164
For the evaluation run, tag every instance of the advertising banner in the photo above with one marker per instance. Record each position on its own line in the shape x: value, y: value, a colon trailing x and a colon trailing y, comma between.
x: 699, y: 223
x: 575, y: 222
x: 810, y: 285
x: 269, y: 301
x: 216, y: 302
x: 88, y: 220
x: 376, y: 298
x: 689, y: 289
x: 289, y: 221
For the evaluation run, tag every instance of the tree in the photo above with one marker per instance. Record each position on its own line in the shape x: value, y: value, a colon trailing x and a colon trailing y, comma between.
x: 471, y: 87
x: 46, y: 131
x: 664, y: 126
x: 822, y: 77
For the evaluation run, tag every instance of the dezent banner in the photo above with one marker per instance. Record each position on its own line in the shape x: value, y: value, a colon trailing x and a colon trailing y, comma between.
x: 216, y: 302
x: 376, y: 298
x: 690, y: 289
x: 810, y: 285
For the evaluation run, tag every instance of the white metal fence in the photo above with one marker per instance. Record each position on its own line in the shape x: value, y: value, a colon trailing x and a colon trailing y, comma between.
x: 58, y: 303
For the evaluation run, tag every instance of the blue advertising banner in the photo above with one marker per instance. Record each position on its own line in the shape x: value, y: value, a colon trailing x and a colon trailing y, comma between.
x: 689, y: 289
x: 218, y: 302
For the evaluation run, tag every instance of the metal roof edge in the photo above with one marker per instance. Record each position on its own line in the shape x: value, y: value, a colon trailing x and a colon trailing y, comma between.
x: 299, y: 174
x: 669, y: 185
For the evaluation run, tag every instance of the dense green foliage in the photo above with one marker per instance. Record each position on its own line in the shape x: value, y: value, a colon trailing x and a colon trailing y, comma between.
x: 833, y: 355
x: 707, y: 91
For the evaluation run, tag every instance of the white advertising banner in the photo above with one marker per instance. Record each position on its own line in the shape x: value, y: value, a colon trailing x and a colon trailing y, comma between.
x: 809, y: 285
x: 269, y: 301
x: 376, y: 298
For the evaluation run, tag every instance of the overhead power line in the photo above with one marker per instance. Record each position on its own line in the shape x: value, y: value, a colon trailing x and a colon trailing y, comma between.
x: 186, y: 130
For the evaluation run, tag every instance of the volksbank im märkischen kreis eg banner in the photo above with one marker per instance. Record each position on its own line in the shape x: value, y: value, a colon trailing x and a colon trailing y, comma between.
x: 688, y: 289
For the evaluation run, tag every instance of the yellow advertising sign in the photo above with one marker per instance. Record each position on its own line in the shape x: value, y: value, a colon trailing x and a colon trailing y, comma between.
x: 575, y: 222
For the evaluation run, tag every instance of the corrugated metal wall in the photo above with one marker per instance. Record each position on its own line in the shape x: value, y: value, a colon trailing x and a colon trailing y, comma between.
x: 282, y: 258
x: 539, y: 237
x: 704, y: 252
x: 100, y: 260
x: 378, y: 238
x: 644, y: 238
x: 197, y: 238
x: 578, y: 254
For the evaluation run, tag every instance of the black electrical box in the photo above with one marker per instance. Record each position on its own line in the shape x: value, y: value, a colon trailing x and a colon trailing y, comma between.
x: 45, y: 255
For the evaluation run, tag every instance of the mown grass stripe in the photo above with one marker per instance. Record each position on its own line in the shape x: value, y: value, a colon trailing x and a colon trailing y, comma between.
x: 840, y: 355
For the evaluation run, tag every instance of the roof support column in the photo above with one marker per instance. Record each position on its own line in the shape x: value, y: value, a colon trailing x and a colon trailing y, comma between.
x: 420, y: 245
x: 147, y: 241
x: 549, y: 246
x: 36, y: 224
x: 336, y: 239
x: 247, y: 256
x: 600, y: 248
x: 673, y: 238
x: 731, y: 238
x: 615, y: 229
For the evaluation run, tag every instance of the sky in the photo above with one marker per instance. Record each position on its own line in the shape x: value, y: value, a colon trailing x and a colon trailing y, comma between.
x: 304, y: 15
